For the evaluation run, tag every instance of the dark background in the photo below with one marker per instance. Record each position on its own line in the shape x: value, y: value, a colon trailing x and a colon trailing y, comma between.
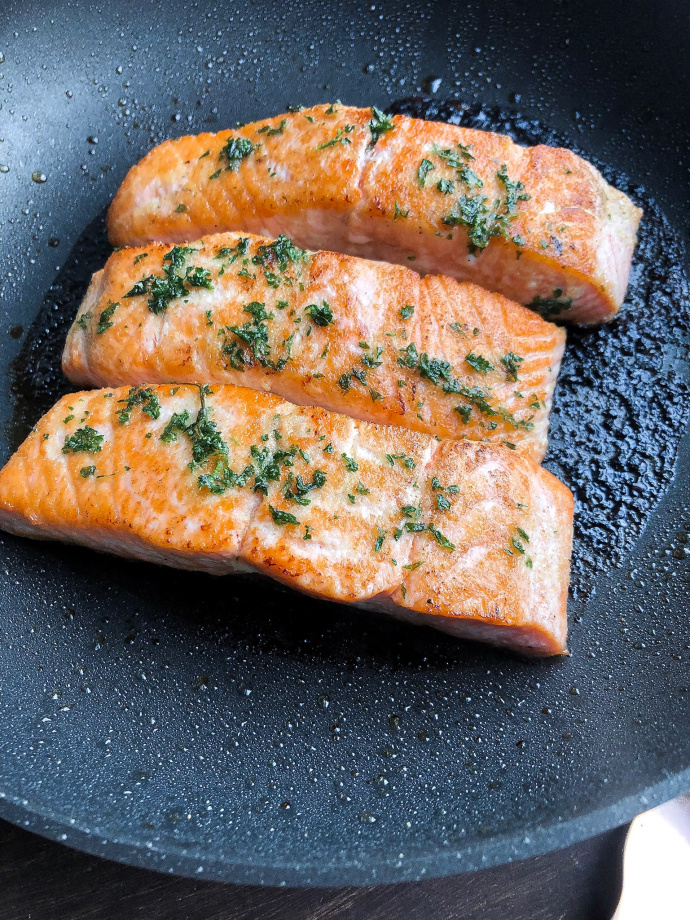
x: 41, y: 880
x: 85, y: 90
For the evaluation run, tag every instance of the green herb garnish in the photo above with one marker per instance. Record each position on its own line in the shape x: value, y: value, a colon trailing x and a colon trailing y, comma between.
x: 339, y: 138
x: 105, y: 317
x: 423, y: 171
x: 511, y: 363
x: 84, y: 440
x: 235, y: 150
x: 322, y: 315
x: 282, y: 517
x: 479, y: 363
x: 271, y: 132
x: 378, y: 125
x: 139, y: 396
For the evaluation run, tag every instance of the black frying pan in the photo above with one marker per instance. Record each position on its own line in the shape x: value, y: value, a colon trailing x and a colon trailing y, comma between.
x: 228, y: 727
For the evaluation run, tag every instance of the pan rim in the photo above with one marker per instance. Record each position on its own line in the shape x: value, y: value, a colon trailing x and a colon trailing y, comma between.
x: 340, y: 872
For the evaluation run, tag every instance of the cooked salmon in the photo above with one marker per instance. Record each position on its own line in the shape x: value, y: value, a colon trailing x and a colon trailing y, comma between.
x: 539, y: 225
x: 371, y: 340
x: 467, y: 537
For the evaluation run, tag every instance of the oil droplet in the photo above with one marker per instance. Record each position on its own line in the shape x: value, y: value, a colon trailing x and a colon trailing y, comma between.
x: 39, y: 177
x: 4, y: 168
x: 68, y: 93
x: 16, y: 331
x: 92, y: 139
x: 2, y: 58
x: 431, y: 84
x: 366, y: 817
x: 54, y: 242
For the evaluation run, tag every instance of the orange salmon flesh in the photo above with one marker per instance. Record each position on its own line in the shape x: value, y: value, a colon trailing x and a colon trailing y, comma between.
x: 470, y: 538
x: 368, y: 339
x: 539, y: 225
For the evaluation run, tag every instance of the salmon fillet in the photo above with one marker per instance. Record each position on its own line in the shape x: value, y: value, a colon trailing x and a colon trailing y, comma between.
x: 470, y: 538
x: 371, y: 340
x: 539, y: 225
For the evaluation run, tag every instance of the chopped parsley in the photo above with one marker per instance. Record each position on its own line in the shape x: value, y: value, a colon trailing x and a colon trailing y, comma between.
x: 163, y: 290
x: 379, y: 540
x: 87, y: 471
x: 181, y: 208
x: 280, y: 253
x: 105, y: 317
x: 423, y: 171
x: 139, y: 396
x: 407, y: 462
x: 472, y: 211
x: 339, y: 138
x: 282, y: 517
x: 479, y: 363
x: 271, y: 132
x: 437, y: 487
x: 235, y: 150
x: 232, y: 253
x: 204, y: 435
x: 440, y: 374
x: 445, y: 186
x: 83, y: 321
x: 84, y: 440
x: 322, y: 315
x: 178, y: 422
x: 378, y: 125
x: 350, y: 464
x: 296, y: 489
x: 442, y: 541
x: 407, y: 311
x: 511, y: 363
x: 253, y: 334
x: 198, y: 277
x: 413, y: 565
x: 373, y: 359
x: 398, y: 212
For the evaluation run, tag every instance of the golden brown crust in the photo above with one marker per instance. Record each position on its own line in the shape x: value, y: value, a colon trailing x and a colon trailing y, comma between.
x: 360, y: 363
x: 319, y: 179
x: 393, y: 519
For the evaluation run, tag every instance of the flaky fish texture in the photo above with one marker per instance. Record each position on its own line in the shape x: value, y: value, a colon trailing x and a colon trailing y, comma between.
x: 367, y: 339
x: 467, y: 537
x: 539, y: 225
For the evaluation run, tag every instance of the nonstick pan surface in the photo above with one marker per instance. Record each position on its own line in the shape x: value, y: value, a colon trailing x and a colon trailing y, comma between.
x: 229, y: 729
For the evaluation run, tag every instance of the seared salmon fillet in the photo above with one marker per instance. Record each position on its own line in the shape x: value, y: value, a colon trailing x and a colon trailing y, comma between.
x: 539, y: 225
x: 371, y: 340
x: 467, y: 537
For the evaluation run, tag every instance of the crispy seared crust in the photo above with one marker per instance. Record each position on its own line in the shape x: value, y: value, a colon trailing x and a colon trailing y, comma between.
x: 450, y: 321
x: 491, y: 563
x: 575, y: 234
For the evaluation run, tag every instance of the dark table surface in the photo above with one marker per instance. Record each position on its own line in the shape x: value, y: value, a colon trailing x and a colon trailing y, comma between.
x: 41, y: 880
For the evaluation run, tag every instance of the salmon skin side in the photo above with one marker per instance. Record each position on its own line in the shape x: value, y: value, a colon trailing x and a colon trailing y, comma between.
x: 371, y: 340
x: 539, y: 225
x: 469, y: 538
